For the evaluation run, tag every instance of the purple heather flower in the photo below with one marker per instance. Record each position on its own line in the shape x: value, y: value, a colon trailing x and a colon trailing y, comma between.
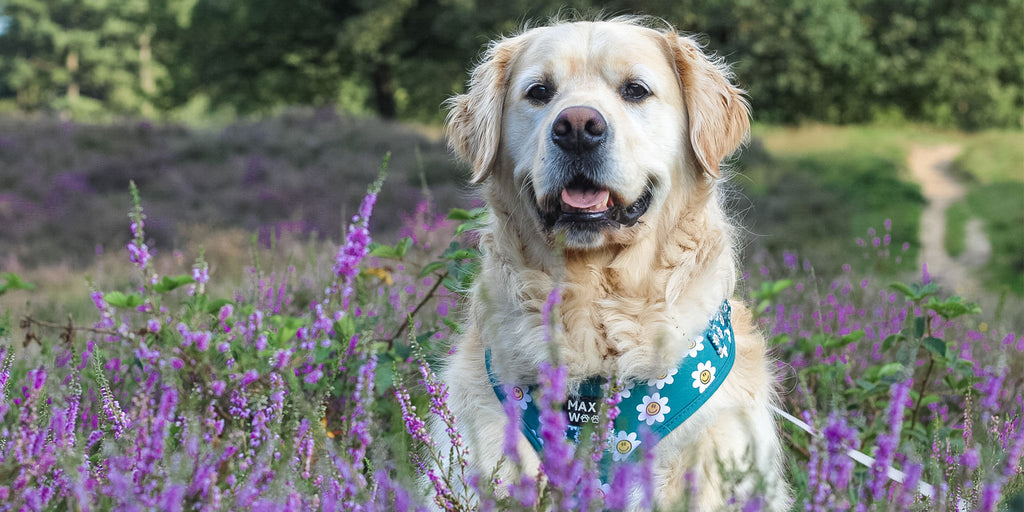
x: 554, y: 298
x: 889, y: 441
x: 225, y: 312
x: 970, y: 458
x: 138, y: 253
x: 790, y: 260
x: 250, y: 377
x: 991, y: 388
x: 510, y: 443
x: 314, y: 376
x: 357, y: 241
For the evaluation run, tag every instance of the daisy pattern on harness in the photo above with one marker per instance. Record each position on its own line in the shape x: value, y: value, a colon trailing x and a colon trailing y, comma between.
x: 696, y: 345
x: 703, y: 376
x: 653, y: 409
x: 520, y: 396
x: 624, y: 389
x: 623, y: 445
x: 665, y: 378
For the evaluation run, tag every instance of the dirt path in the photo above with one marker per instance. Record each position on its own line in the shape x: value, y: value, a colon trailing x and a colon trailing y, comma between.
x: 930, y: 166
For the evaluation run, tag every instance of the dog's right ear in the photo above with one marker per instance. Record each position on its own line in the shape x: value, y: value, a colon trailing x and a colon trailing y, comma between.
x: 717, y: 110
x: 473, y: 126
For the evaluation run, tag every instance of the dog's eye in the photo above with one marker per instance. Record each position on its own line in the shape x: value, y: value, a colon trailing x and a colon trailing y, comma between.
x: 540, y: 93
x: 635, y: 91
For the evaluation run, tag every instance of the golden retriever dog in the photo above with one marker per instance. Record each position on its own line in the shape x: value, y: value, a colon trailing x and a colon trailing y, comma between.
x: 598, y: 147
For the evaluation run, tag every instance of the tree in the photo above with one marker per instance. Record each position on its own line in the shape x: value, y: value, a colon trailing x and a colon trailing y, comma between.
x: 77, y: 55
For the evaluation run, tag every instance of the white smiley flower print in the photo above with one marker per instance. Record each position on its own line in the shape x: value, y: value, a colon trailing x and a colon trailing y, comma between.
x: 623, y: 445
x: 665, y: 378
x: 624, y: 389
x: 519, y: 396
x: 696, y: 345
x: 703, y: 376
x: 653, y: 409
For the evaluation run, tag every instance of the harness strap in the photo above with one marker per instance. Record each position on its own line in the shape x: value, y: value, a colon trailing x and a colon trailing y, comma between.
x: 657, y: 405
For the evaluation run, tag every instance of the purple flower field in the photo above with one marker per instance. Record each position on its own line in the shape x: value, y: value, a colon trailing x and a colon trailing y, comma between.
x: 309, y: 388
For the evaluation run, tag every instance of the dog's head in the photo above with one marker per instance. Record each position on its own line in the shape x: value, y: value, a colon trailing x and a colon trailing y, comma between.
x: 596, y: 124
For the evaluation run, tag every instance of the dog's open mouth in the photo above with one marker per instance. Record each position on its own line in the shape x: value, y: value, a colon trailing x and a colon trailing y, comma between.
x: 585, y: 204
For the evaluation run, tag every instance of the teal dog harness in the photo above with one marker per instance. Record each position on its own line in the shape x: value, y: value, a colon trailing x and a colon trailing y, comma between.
x: 661, y: 404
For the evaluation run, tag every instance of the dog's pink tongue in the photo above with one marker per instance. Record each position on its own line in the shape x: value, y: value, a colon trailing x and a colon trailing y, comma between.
x: 589, y: 200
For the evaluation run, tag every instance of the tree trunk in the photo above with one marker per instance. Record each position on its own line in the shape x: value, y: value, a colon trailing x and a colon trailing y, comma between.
x: 71, y: 63
x: 146, y: 81
x: 384, y: 91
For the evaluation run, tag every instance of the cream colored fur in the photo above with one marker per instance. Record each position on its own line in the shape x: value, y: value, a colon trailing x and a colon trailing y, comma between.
x: 632, y: 298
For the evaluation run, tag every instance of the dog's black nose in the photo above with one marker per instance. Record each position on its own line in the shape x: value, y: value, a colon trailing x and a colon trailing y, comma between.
x: 579, y: 129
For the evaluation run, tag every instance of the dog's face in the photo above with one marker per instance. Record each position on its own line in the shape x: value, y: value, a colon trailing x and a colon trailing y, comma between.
x: 596, y: 125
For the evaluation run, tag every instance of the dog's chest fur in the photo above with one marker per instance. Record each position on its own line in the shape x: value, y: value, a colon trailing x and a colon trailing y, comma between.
x: 627, y: 313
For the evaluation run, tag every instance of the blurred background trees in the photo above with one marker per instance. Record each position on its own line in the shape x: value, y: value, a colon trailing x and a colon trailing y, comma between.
x: 943, y: 62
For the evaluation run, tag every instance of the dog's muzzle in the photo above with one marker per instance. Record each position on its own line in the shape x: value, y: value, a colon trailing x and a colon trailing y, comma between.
x: 587, y: 205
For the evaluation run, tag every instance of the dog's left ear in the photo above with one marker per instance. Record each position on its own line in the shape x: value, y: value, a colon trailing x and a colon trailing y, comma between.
x: 718, y: 112
x: 473, y: 125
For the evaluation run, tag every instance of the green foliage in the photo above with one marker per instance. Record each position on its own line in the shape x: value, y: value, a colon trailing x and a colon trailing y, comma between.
x: 765, y: 296
x: 830, y: 60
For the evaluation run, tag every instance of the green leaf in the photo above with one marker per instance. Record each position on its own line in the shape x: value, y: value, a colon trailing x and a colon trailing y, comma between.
x: 935, y: 346
x: 462, y: 254
x: 213, y: 307
x: 829, y: 341
x: 346, y: 328
x: 389, y: 252
x: 459, y: 214
x: 890, y: 369
x: 903, y: 288
x: 169, y: 283
x: 123, y: 300
x: 892, y: 339
x: 384, y: 376
x: 853, y: 337
x: 403, y: 246
x: 780, y: 285
x: 383, y: 251
x: 13, y: 282
x: 430, y: 268
x: 915, y: 292
x: 952, y: 307
x: 287, y: 327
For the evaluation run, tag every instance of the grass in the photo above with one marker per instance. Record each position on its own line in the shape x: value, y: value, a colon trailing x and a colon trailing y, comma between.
x: 817, y: 202
x: 957, y: 216
x: 992, y: 157
x: 992, y: 165
x: 1001, y: 207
